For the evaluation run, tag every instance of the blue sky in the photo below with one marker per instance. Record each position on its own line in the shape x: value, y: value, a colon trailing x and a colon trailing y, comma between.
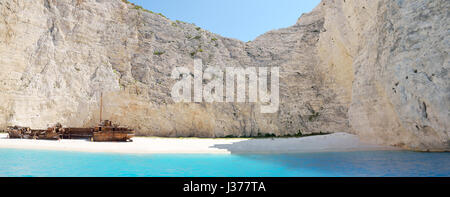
x: 241, y: 19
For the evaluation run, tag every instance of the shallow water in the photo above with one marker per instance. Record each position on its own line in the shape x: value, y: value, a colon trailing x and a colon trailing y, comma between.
x: 39, y: 163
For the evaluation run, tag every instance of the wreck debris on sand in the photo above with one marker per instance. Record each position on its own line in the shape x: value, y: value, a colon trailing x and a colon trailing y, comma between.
x: 104, y: 132
x: 28, y: 133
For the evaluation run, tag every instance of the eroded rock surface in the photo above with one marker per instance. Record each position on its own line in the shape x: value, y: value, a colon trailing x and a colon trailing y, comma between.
x: 394, y: 56
x: 375, y: 68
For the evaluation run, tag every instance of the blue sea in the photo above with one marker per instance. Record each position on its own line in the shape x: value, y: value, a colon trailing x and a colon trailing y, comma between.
x: 39, y: 163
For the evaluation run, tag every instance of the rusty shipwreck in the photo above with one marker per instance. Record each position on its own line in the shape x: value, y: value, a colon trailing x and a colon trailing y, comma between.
x: 106, y: 131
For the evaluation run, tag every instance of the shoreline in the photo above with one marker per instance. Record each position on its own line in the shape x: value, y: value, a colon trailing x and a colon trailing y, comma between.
x: 336, y: 142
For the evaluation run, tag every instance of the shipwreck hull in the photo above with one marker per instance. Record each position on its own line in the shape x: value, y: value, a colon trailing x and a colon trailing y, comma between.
x: 77, y: 133
x: 105, y: 132
x: 48, y: 136
x: 112, y: 137
x: 15, y: 134
x: 18, y: 132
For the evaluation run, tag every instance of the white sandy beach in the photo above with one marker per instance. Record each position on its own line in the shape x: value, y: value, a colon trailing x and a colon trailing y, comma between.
x: 152, y: 145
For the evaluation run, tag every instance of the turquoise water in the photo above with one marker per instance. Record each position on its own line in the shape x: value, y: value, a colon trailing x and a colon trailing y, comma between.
x: 24, y: 163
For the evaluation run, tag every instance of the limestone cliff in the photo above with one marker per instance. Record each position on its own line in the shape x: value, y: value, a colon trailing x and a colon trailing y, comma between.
x: 393, y: 56
x: 375, y: 68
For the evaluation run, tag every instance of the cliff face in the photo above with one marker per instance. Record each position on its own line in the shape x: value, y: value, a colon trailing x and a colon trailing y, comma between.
x: 375, y: 68
x: 393, y: 55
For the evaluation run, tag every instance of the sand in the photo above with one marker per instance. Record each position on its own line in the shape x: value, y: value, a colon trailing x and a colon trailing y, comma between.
x: 336, y: 142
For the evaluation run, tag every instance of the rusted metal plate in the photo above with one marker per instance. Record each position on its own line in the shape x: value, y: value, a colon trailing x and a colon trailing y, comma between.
x: 112, y: 136
x: 77, y: 133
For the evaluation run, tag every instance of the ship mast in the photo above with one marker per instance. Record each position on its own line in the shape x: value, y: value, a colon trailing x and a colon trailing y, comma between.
x: 101, y: 105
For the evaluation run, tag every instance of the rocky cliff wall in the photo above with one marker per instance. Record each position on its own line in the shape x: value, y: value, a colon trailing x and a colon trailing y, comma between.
x: 375, y: 68
x: 394, y: 56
